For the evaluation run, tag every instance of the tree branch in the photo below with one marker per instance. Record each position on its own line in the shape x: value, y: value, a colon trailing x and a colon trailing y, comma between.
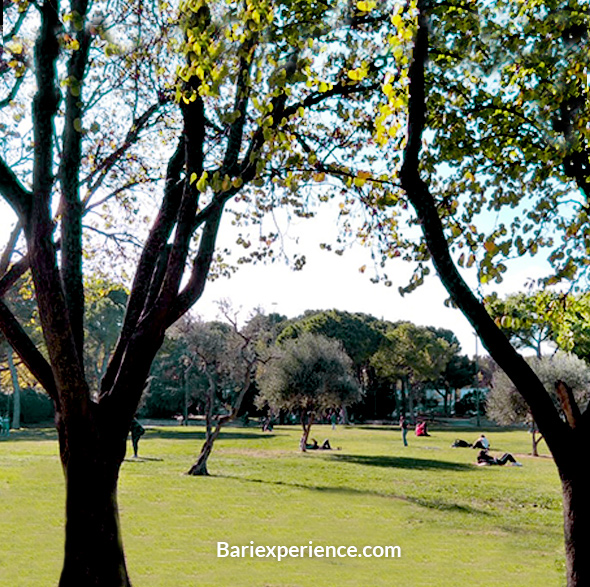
x: 9, y: 250
x: 13, y: 191
x: 132, y: 137
x: 25, y: 348
x: 71, y: 208
x: 159, y: 234
x: 63, y: 353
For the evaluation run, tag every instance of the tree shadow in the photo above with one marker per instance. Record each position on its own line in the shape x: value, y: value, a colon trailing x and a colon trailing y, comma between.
x: 436, y: 504
x: 30, y: 434
x: 401, y: 462
x: 199, y: 434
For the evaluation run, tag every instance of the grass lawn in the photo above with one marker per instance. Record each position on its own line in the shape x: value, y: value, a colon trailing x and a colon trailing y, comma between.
x: 456, y: 524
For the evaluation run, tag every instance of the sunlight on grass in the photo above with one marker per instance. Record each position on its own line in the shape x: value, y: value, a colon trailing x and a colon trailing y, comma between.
x: 456, y: 524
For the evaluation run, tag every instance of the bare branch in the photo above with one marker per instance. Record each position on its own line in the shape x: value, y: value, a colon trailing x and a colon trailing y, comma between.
x: 9, y: 250
x: 13, y: 92
x: 132, y: 137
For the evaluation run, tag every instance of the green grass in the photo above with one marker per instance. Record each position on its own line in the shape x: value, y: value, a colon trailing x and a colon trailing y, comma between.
x: 456, y: 524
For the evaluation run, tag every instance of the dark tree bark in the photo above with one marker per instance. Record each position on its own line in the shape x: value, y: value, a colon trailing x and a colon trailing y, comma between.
x: 567, y: 440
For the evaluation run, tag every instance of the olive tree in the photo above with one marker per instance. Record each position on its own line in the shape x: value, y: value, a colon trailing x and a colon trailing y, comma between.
x: 308, y: 375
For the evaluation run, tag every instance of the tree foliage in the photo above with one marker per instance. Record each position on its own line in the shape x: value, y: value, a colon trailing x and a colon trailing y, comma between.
x: 506, y: 406
x: 308, y: 376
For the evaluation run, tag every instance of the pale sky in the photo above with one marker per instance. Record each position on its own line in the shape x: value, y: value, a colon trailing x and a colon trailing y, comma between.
x: 329, y: 281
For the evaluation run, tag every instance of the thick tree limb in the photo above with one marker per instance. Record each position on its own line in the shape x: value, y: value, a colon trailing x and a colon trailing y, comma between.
x: 65, y: 360
x: 196, y: 284
x: 236, y: 132
x: 157, y: 239
x: 13, y: 191
x: 526, y: 381
x: 71, y: 208
x: 194, y: 140
x: 26, y: 349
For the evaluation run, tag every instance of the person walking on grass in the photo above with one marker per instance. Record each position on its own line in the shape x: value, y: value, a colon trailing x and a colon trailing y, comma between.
x: 404, y: 427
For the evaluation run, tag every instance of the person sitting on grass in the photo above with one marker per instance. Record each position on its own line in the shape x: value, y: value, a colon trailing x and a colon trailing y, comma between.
x: 485, y: 458
x: 482, y: 442
x: 421, y: 429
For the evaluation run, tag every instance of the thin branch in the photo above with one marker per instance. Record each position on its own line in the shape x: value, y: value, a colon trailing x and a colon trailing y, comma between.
x: 13, y: 92
x: 132, y: 137
x: 9, y: 250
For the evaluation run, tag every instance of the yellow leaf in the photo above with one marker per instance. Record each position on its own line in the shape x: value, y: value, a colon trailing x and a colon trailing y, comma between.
x: 193, y: 178
x: 202, y: 183
x: 366, y: 5
x: 319, y: 176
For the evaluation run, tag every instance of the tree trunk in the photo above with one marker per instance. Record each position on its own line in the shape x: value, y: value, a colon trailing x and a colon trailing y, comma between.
x: 576, y: 508
x: 536, y: 438
x: 93, y: 546
x: 15, y: 391
x: 411, y: 408
x: 306, y: 431
x: 200, y: 467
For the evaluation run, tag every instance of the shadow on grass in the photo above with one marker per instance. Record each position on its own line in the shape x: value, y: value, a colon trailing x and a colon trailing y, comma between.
x: 434, y: 504
x: 400, y: 462
x: 31, y: 434
x: 191, y: 433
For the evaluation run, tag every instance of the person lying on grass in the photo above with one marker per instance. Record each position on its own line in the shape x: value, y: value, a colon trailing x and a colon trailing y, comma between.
x: 315, y: 446
x: 485, y: 458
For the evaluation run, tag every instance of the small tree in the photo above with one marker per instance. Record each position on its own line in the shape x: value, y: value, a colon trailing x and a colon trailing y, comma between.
x: 227, y: 358
x: 311, y: 374
x: 506, y: 406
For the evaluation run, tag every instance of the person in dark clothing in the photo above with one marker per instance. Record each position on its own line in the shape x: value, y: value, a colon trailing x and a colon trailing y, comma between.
x: 137, y: 431
x: 403, y: 424
x: 485, y: 458
x: 315, y: 446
